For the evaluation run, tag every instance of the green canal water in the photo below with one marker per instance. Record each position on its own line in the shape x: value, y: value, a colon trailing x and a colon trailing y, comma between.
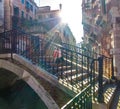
x: 20, y: 96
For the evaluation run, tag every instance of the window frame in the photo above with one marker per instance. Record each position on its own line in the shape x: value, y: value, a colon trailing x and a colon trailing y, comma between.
x: 22, y: 1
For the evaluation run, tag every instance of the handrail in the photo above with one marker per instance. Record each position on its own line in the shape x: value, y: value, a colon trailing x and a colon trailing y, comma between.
x: 72, y: 50
x: 74, y: 70
x: 78, y: 102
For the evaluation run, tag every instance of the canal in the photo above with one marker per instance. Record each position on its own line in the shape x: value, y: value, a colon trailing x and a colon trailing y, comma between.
x: 20, y: 96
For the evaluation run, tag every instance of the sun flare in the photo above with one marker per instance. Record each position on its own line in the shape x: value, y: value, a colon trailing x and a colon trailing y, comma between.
x: 71, y: 15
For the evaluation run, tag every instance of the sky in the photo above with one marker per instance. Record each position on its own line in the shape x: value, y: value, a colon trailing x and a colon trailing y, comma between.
x: 71, y: 14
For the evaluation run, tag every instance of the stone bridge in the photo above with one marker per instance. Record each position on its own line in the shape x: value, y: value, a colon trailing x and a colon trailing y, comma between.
x: 20, y: 68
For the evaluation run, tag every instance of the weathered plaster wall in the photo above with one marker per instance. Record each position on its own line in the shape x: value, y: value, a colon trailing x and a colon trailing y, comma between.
x: 1, y: 15
x: 115, y: 12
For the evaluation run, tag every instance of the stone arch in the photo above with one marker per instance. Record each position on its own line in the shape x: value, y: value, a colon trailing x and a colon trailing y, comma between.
x: 31, y: 81
x: 7, y: 78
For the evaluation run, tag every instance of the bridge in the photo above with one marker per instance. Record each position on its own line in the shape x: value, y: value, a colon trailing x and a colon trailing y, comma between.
x: 84, y: 75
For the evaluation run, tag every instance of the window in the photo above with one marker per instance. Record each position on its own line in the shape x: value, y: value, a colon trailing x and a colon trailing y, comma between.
x: 88, y: 4
x: 87, y: 1
x: 51, y: 15
x: 31, y: 7
x: 22, y: 1
x: 27, y: 4
x: 103, y: 6
x: 22, y: 14
x: 16, y: 11
x: 26, y: 16
x: 30, y: 18
x: 40, y: 17
x: 35, y: 11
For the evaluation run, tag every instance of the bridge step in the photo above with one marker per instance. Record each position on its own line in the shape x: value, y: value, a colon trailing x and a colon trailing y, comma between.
x: 115, y: 103
x: 109, y: 93
x: 63, y: 67
x: 69, y: 74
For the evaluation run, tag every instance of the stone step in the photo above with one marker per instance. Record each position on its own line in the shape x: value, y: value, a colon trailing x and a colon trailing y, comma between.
x: 115, y: 104
x: 59, y: 68
x: 109, y: 92
x: 80, y: 81
x: 77, y: 77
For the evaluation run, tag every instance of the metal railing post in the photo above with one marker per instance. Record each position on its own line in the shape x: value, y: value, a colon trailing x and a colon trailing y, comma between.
x: 12, y: 34
x: 100, y: 80
x: 112, y: 69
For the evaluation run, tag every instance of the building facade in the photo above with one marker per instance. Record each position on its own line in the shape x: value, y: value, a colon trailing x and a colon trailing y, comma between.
x: 17, y: 9
x: 1, y: 15
x: 114, y: 19
x: 55, y: 29
x: 41, y: 21
x: 95, y: 25
x: 48, y: 17
x: 101, y: 20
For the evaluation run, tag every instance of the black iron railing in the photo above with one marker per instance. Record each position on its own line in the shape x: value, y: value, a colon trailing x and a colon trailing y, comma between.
x: 75, y: 71
x: 108, y: 70
x: 83, y: 100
